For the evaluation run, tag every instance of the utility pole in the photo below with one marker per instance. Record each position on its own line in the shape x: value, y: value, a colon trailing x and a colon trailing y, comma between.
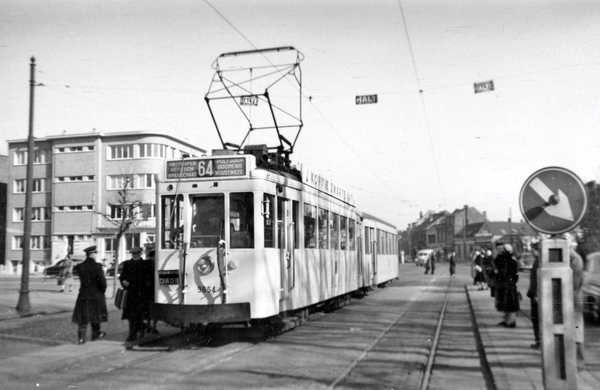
x: 24, y: 306
x: 465, y: 233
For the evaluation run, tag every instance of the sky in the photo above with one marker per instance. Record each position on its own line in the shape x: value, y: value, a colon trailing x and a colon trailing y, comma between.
x: 429, y: 143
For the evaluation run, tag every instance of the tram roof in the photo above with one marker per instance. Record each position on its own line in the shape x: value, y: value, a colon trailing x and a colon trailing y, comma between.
x: 371, y: 216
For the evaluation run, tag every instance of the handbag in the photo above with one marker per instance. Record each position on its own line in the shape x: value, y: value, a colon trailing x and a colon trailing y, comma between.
x: 121, y: 298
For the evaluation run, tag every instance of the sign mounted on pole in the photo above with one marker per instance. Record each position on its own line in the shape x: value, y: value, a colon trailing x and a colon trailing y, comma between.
x: 484, y: 86
x: 553, y: 200
x: 366, y: 99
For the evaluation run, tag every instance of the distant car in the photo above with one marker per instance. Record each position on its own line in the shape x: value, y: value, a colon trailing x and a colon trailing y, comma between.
x: 54, y: 270
x: 422, y: 256
x: 526, y: 261
x: 591, y: 287
x: 111, y: 270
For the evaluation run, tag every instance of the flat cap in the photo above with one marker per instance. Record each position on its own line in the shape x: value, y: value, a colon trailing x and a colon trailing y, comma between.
x: 135, y: 249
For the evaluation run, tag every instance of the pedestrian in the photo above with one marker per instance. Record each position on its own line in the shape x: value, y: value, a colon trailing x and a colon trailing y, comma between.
x: 576, y: 264
x: 478, y: 267
x: 150, y: 283
x: 66, y: 274
x: 488, y: 268
x: 432, y: 262
x: 532, y: 293
x: 492, y: 279
x: 507, y: 296
x: 427, y: 264
x: 133, y: 279
x: 90, y: 306
x: 452, y: 262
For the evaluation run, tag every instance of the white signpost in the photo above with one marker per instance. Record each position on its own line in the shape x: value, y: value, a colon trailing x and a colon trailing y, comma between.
x: 553, y: 201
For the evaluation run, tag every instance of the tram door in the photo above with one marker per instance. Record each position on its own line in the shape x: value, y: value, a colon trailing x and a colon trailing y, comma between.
x: 373, y: 252
x: 285, y: 244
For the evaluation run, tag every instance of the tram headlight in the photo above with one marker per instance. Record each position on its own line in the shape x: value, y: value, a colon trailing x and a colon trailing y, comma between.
x: 205, y: 265
x: 233, y: 264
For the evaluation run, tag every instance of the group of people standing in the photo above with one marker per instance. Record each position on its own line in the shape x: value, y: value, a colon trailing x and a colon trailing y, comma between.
x: 501, y: 274
x: 137, y: 278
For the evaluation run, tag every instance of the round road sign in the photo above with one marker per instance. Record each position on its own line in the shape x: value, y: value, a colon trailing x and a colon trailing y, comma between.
x: 553, y: 200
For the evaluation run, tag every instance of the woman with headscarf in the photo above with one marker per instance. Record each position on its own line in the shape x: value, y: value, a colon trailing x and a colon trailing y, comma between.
x: 507, y: 296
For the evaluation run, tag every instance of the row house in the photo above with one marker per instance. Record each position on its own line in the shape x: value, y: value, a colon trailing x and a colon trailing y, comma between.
x: 75, y: 181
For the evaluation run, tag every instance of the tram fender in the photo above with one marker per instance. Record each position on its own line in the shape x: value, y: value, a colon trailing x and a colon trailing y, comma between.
x: 200, y: 314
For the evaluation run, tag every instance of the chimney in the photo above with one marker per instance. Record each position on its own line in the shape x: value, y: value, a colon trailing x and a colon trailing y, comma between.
x: 485, y: 215
x: 420, y: 215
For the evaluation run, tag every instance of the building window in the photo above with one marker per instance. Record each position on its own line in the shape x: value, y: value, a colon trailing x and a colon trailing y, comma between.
x: 37, y: 242
x: 39, y: 185
x: 119, y: 182
x: 40, y: 214
x: 40, y: 157
x: 116, y: 212
x: 74, y: 149
x: 145, y: 180
x: 152, y: 150
x: 20, y: 186
x: 117, y: 152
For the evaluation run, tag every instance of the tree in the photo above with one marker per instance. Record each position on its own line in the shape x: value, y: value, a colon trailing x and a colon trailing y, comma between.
x: 124, y: 212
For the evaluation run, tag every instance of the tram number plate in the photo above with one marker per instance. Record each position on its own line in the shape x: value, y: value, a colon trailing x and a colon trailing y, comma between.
x: 167, y: 277
x: 207, y: 289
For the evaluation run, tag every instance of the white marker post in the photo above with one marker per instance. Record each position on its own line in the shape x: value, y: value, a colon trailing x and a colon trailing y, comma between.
x: 557, y: 324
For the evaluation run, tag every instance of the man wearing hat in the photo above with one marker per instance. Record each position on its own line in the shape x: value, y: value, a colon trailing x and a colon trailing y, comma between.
x: 133, y: 279
x: 90, y: 306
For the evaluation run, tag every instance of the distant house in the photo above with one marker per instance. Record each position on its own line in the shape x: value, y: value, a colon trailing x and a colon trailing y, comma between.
x: 485, y: 235
x: 74, y: 178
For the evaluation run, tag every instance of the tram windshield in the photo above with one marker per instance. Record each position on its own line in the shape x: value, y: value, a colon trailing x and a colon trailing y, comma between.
x: 208, y: 220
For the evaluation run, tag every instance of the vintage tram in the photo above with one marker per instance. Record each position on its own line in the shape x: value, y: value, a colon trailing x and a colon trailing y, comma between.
x: 243, y: 235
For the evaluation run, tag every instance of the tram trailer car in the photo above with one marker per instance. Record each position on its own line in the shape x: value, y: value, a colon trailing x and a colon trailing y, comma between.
x: 240, y: 240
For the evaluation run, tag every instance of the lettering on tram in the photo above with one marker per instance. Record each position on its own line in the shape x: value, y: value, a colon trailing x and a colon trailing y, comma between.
x: 168, y: 276
x: 215, y: 167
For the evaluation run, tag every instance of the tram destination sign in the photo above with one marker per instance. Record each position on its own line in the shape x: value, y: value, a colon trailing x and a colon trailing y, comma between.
x: 206, y: 167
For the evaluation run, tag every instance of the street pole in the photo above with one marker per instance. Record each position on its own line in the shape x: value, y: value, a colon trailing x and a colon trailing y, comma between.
x: 24, y: 306
x: 465, y: 233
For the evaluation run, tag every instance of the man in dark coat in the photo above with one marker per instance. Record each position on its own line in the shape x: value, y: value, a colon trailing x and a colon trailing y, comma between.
x: 90, y: 306
x: 133, y: 279
x: 507, y: 296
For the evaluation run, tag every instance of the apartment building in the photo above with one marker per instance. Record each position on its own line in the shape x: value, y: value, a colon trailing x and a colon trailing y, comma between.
x: 76, y: 179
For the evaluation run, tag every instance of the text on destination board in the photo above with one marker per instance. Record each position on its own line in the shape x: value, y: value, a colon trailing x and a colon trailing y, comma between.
x: 217, y: 167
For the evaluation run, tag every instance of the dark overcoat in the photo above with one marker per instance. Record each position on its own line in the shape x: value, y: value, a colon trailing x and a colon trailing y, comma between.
x: 507, y: 296
x: 90, y: 306
x: 135, y: 273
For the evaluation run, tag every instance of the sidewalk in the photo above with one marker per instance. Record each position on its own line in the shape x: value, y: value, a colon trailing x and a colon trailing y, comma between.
x: 513, y: 363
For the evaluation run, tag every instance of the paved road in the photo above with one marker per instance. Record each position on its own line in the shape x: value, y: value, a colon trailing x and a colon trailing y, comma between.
x: 381, y: 341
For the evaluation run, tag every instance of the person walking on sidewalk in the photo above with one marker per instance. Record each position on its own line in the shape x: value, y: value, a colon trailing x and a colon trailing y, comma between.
x: 452, y: 262
x: 66, y: 274
x: 133, y: 279
x: 507, y: 296
x: 533, y: 295
x: 90, y: 306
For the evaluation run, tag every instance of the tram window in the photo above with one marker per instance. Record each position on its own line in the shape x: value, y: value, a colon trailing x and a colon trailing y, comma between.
x: 310, y: 226
x: 172, y: 221
x: 334, y: 231
x: 268, y: 216
x: 323, y: 229
x: 208, y: 221
x: 367, y: 241
x: 280, y: 228
x: 343, y: 233
x: 351, y: 241
x: 241, y: 220
x: 295, y: 205
x: 379, y: 242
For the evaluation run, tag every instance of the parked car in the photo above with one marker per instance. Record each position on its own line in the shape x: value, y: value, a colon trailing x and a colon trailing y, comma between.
x: 54, y: 270
x: 111, y: 270
x: 591, y: 286
x: 422, y: 256
x: 526, y: 261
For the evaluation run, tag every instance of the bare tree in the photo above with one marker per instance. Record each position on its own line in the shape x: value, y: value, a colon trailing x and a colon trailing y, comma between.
x: 124, y: 213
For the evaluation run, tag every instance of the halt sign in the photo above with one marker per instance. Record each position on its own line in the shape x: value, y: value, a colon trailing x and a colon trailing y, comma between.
x: 553, y: 200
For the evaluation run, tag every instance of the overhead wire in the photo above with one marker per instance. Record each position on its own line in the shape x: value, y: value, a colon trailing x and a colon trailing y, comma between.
x: 426, y: 118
